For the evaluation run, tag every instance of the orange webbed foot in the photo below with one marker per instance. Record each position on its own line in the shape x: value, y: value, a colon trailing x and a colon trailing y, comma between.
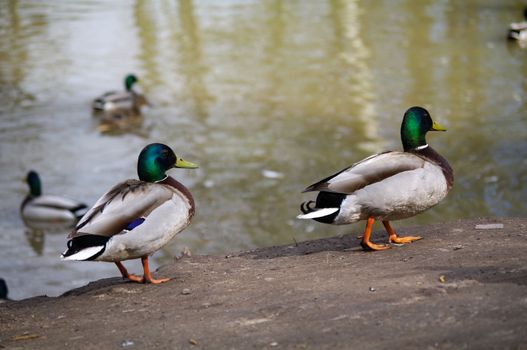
x: 404, y: 240
x: 369, y: 246
x: 128, y: 276
x: 156, y: 281
x: 393, y: 238
x: 148, y: 276
x: 365, y: 243
x: 135, y: 278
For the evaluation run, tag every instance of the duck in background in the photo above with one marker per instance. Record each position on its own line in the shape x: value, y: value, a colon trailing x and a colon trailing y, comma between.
x: 3, y: 291
x: 128, y: 99
x: 518, y: 30
x: 135, y: 218
x: 386, y: 186
x: 41, y: 210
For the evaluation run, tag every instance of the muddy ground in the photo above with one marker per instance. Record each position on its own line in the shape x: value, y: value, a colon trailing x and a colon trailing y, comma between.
x: 459, y: 287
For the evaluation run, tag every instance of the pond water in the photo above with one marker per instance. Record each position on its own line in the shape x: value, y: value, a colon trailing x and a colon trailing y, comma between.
x: 267, y: 96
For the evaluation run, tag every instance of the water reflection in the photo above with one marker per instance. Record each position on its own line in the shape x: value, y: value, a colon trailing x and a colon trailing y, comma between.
x: 248, y: 89
x: 35, y: 238
x: 16, y: 36
x: 352, y: 50
x: 36, y: 231
x: 118, y: 121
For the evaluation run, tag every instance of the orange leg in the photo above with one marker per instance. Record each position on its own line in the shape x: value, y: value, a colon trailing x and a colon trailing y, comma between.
x: 366, y: 244
x: 394, y: 238
x: 124, y: 272
x: 147, y: 276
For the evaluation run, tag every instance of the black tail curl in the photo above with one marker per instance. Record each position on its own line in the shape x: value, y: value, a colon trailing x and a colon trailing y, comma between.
x: 77, y: 244
x: 324, y: 200
x: 307, y: 207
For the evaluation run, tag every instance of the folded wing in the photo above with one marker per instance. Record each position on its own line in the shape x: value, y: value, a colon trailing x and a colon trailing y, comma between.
x: 120, y: 206
x: 368, y: 171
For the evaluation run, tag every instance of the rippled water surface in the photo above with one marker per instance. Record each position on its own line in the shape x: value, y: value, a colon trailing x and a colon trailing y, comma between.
x: 267, y: 96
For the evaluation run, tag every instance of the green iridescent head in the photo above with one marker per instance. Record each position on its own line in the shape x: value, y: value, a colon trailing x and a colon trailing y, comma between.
x: 33, y: 180
x: 129, y: 81
x: 155, y: 159
x: 416, y: 123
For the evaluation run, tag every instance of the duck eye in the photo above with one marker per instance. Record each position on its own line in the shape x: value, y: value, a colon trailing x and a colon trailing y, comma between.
x: 164, y: 153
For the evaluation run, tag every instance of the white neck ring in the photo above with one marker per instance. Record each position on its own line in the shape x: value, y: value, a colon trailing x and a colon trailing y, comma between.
x: 163, y: 179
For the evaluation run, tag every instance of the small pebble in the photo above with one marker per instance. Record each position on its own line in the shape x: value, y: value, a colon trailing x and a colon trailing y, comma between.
x: 127, y: 343
x: 371, y: 289
x: 193, y: 341
x: 273, y: 344
x: 489, y: 226
x: 185, y: 291
x: 458, y: 247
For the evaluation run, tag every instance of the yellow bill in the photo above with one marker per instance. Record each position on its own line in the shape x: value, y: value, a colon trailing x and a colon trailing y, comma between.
x: 437, y: 127
x: 181, y: 163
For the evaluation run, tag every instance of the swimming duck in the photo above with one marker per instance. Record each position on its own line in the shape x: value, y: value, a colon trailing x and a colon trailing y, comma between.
x: 127, y: 99
x: 518, y: 31
x: 135, y: 218
x: 41, y: 210
x: 3, y: 290
x: 386, y: 186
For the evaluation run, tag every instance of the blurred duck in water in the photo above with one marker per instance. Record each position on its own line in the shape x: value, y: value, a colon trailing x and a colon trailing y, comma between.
x: 129, y: 99
x: 3, y: 290
x: 40, y: 210
x: 518, y: 30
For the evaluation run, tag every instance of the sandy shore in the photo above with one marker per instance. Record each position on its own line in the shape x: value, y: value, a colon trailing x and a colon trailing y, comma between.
x: 463, y: 286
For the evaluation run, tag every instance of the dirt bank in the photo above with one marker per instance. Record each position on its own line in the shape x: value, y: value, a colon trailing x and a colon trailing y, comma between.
x: 459, y: 287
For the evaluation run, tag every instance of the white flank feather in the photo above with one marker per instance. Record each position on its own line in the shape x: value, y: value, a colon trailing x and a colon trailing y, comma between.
x: 318, y: 213
x: 83, y: 254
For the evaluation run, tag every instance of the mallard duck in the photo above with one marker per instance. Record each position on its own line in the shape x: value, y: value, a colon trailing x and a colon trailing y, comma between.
x: 127, y: 99
x: 386, y: 186
x: 3, y: 290
x: 135, y: 218
x: 518, y: 30
x: 41, y: 210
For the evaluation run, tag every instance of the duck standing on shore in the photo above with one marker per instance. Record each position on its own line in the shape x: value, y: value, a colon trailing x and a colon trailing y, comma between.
x: 387, y: 186
x: 135, y: 218
x: 42, y: 210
